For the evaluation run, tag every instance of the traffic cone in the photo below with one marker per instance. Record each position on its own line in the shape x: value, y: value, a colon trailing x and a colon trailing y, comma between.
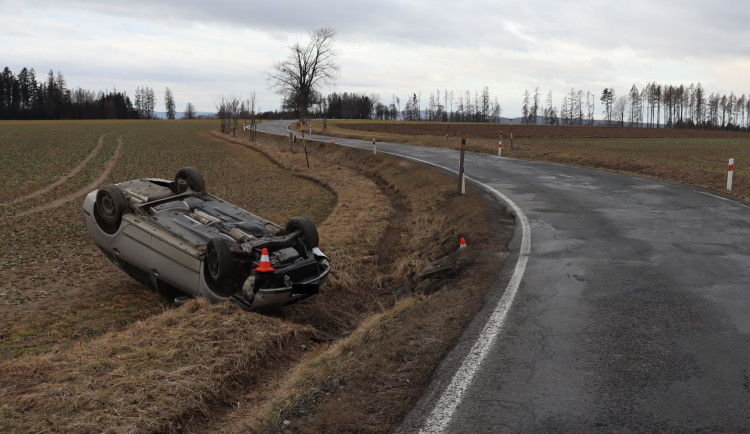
x: 462, y: 245
x: 265, y: 263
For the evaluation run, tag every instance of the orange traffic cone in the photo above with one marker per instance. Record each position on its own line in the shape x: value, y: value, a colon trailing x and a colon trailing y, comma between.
x: 462, y: 245
x: 265, y: 263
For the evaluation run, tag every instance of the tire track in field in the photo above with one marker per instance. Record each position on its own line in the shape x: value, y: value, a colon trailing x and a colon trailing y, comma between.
x: 84, y: 190
x: 63, y: 178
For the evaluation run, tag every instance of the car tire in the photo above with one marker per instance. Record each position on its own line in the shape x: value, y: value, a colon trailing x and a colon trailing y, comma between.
x: 110, y: 204
x: 220, y: 260
x: 189, y: 177
x: 309, y: 235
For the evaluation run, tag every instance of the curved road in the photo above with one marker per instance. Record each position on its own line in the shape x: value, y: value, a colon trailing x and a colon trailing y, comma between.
x: 633, y: 313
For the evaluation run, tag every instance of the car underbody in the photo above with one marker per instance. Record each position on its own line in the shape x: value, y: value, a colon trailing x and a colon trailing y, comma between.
x: 183, y: 242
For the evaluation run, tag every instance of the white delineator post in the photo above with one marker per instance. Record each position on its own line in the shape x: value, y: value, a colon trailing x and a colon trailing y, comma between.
x: 461, y: 180
x: 500, y: 148
x: 374, y: 147
x: 729, y: 174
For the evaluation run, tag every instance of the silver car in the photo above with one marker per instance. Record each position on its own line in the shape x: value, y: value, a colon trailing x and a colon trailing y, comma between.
x: 176, y: 238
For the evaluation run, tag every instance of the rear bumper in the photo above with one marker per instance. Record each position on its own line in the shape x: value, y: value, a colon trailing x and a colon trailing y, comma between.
x: 267, y: 298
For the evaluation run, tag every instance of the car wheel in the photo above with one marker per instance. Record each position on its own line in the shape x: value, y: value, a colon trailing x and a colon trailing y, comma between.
x: 189, y: 177
x: 110, y: 204
x: 219, y: 259
x: 309, y: 235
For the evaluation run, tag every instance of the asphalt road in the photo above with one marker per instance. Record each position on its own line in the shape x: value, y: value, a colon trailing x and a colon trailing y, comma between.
x: 632, y: 313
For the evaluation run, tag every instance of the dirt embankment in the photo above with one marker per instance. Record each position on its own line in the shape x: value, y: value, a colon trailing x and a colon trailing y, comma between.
x: 349, y: 359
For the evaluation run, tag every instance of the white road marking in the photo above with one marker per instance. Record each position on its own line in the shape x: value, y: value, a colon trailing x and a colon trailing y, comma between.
x: 722, y: 198
x: 441, y: 415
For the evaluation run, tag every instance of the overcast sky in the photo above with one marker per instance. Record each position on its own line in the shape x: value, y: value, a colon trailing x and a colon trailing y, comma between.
x: 203, y: 50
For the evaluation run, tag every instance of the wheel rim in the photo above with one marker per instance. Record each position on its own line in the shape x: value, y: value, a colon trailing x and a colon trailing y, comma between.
x: 213, y: 262
x: 181, y: 184
x: 108, y: 206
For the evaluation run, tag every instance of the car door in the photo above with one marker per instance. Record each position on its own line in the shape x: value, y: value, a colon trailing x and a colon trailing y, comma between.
x: 173, y: 261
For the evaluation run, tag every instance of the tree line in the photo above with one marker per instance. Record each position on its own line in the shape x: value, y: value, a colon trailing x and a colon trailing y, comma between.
x: 441, y: 106
x: 23, y: 96
x: 652, y: 106
x: 449, y: 106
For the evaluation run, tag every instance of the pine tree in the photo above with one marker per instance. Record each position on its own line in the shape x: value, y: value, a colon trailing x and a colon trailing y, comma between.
x: 169, y: 104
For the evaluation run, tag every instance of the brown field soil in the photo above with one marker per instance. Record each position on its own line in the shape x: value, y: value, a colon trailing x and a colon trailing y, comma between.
x: 694, y: 157
x: 84, y: 348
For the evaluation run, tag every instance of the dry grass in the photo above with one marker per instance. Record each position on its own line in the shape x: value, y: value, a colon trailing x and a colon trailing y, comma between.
x: 155, y: 375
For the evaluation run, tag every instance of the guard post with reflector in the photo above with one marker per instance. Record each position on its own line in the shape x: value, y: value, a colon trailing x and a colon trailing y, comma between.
x: 729, y: 174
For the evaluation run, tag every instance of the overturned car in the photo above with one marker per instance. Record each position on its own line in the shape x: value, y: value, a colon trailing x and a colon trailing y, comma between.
x: 183, y: 242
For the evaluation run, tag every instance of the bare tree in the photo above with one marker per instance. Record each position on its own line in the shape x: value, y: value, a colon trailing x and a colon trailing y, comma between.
x: 619, y: 107
x: 189, y: 112
x: 309, y: 65
x: 525, y: 112
x: 534, y: 109
x: 550, y: 112
x: 223, y: 112
x: 575, y: 108
x: 251, y: 108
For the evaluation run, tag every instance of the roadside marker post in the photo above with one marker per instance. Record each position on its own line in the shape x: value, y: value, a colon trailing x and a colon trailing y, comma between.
x: 461, y: 178
x: 374, y: 147
x: 729, y: 174
x: 304, y: 143
x: 500, y: 145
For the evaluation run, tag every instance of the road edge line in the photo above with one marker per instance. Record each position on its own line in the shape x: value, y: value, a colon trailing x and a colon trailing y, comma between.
x: 442, y: 414
x: 444, y: 409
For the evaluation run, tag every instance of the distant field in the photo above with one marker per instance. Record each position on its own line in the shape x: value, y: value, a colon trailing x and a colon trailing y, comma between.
x: 696, y: 157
